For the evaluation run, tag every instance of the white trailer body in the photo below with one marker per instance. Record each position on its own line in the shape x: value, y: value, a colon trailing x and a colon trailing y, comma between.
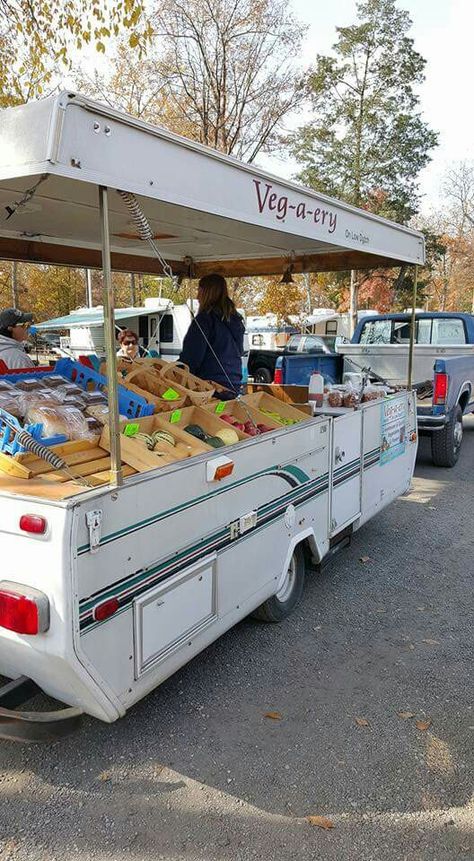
x: 132, y: 579
x: 186, y: 558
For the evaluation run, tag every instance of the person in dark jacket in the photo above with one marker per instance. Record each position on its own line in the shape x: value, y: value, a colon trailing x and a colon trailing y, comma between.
x: 214, y: 343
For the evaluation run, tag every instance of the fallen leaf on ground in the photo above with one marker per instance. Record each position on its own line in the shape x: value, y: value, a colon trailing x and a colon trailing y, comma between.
x: 423, y: 724
x: 432, y: 507
x: 320, y: 822
x: 273, y: 715
x: 365, y: 559
x: 105, y: 775
x: 431, y: 642
x: 406, y: 715
x: 362, y: 722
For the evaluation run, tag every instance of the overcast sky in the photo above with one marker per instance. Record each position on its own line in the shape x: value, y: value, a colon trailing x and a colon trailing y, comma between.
x: 443, y: 31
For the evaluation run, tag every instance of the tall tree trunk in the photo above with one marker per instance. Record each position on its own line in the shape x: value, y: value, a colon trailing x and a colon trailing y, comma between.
x: 354, y: 300
x: 15, y: 283
x: 90, y: 302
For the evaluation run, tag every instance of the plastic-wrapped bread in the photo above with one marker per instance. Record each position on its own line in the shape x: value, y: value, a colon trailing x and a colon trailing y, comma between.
x: 59, y: 420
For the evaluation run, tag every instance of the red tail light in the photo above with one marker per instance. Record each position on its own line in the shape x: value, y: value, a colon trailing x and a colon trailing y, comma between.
x: 278, y: 376
x: 23, y: 610
x: 33, y: 523
x: 105, y: 610
x: 440, y: 388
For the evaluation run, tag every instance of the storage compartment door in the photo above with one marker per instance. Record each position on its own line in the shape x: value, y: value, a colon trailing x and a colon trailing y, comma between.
x: 167, y: 615
x: 346, y: 470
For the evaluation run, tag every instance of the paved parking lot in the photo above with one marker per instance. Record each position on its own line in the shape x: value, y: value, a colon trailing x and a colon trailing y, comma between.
x: 197, y: 772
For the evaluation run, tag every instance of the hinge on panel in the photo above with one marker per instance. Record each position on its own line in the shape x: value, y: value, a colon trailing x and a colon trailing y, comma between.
x: 94, y: 524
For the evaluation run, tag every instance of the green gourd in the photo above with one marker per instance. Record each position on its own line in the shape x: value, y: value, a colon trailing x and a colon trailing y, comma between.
x: 196, y: 431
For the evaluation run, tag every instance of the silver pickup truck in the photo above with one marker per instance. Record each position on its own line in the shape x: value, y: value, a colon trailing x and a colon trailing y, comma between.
x: 443, y: 369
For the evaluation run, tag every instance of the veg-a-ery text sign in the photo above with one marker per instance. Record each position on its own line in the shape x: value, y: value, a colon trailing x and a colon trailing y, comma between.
x: 281, y: 205
x: 394, y: 430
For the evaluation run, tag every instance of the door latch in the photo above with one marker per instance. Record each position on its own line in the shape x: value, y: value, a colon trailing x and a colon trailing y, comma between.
x: 339, y: 454
x: 94, y: 524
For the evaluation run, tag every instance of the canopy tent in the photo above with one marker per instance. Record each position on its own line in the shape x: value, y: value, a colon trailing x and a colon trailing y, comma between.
x: 203, y: 206
x: 63, y: 159
x: 93, y: 318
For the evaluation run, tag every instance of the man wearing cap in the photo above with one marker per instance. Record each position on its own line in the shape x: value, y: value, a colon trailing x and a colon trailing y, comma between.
x: 14, y: 325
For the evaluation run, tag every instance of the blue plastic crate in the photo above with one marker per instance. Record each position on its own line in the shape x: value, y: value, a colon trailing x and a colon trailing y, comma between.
x: 130, y: 405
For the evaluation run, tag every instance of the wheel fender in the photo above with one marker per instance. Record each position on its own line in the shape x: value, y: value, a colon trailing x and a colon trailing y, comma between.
x: 305, y: 534
x: 464, y: 387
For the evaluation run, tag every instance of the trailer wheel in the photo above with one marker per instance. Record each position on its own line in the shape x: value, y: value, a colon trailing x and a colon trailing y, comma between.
x: 290, y: 590
x: 263, y: 375
x: 446, y: 443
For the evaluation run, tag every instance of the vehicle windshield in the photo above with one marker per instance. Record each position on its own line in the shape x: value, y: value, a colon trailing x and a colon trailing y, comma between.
x: 441, y: 331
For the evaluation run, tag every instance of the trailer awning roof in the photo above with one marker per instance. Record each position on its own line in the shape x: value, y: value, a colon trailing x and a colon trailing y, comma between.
x: 92, y: 319
x: 226, y: 216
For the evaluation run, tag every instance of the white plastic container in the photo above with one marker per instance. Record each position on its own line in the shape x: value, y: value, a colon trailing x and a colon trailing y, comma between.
x: 316, y: 390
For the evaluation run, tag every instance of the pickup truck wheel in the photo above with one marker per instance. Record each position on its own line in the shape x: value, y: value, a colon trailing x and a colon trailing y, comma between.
x: 263, y: 375
x: 446, y: 443
x: 290, y: 590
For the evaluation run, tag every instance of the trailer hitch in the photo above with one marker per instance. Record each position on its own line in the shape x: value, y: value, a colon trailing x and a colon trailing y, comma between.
x: 34, y: 726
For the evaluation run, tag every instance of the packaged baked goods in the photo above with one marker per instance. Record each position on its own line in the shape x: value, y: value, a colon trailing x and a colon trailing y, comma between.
x: 53, y: 380
x: 94, y: 426
x: 68, y: 389
x: 93, y: 398
x: 59, y: 420
x: 334, y: 398
x: 74, y: 401
x: 29, y: 385
x: 11, y: 404
x: 371, y: 393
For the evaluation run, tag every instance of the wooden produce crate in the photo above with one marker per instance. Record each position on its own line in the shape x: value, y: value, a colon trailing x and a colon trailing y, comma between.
x: 241, y: 411
x: 297, y: 396
x: 201, y: 416
x: 198, y: 391
x: 85, y: 458
x: 149, y: 385
x: 135, y: 453
x: 262, y: 401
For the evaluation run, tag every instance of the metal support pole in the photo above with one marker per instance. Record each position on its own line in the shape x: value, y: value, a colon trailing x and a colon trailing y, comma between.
x: 354, y: 302
x: 412, y: 329
x: 116, y: 477
x: 132, y: 289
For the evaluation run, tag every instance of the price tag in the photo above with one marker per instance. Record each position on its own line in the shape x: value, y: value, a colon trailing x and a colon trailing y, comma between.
x: 170, y: 395
x: 220, y: 407
x: 175, y: 416
x: 131, y: 430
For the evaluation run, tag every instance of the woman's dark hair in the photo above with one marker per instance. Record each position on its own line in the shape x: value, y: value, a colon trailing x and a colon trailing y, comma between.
x: 127, y: 334
x: 215, y: 296
x: 6, y: 333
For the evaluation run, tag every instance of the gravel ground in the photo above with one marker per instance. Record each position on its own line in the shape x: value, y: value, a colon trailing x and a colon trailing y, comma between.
x: 197, y: 772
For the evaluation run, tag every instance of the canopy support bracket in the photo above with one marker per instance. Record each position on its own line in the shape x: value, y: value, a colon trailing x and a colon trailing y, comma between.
x: 116, y: 477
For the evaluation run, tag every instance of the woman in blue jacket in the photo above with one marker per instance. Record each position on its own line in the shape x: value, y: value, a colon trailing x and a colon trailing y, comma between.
x: 214, y: 343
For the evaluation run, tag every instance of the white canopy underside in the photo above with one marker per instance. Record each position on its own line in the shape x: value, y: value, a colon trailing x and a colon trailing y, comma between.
x: 225, y: 215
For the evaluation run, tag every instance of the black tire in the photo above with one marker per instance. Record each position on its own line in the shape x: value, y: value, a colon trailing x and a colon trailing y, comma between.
x: 276, y: 609
x: 263, y: 375
x: 446, y: 443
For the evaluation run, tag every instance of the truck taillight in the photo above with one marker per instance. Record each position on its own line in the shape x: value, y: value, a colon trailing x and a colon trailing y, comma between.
x: 278, y: 377
x: 22, y: 609
x: 440, y: 389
